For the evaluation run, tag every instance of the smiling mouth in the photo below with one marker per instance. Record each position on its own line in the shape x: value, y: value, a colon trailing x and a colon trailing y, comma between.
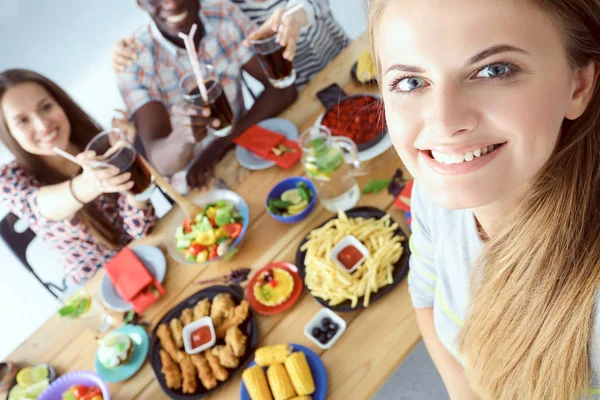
x: 457, y: 158
x: 175, y: 19
x: 49, y: 138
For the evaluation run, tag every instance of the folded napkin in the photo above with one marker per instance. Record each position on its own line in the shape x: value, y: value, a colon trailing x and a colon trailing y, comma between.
x: 259, y: 140
x: 270, y: 145
x: 403, y: 199
x: 289, y: 154
x: 132, y: 280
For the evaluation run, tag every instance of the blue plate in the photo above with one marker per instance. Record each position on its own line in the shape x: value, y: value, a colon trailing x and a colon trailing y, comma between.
x: 140, y: 350
x: 291, y: 183
x: 155, y: 262
x: 316, y: 367
x: 249, y: 160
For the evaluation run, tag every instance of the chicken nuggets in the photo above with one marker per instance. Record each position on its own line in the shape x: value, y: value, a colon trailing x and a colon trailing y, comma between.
x: 187, y: 316
x: 217, y: 369
x: 170, y: 370
x: 222, y: 306
x: 235, y: 318
x: 202, y: 309
x: 176, y: 332
x: 236, y: 340
x: 225, y: 356
x: 167, y: 343
x: 188, y: 372
x: 204, y: 372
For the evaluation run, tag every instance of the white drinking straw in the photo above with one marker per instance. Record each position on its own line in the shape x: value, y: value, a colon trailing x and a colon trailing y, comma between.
x: 69, y: 157
x: 286, y: 14
x: 292, y: 10
x: 188, y: 40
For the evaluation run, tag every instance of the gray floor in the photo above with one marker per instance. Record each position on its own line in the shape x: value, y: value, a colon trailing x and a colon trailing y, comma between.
x: 415, y: 379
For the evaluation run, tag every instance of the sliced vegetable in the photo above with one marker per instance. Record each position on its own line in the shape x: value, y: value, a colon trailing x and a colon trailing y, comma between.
x: 304, y: 191
x: 224, y: 215
x: 183, y: 243
x: 222, y: 239
x: 196, y: 248
x: 80, y: 390
x: 203, y: 226
x: 206, y: 238
x: 213, y: 253
x: 280, y: 203
x: 233, y: 230
x: 187, y: 225
x: 202, y: 256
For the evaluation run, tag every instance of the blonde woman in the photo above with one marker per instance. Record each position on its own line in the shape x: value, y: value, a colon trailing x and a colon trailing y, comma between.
x: 494, y: 108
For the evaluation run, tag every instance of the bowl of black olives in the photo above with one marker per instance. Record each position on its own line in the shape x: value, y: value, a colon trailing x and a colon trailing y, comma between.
x: 325, y: 328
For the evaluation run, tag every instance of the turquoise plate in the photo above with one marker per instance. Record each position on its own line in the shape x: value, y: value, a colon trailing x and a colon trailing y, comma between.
x: 140, y: 350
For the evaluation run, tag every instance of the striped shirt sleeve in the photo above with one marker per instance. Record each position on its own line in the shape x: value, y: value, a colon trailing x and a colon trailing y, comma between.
x: 422, y: 276
x: 138, y: 84
x: 241, y: 21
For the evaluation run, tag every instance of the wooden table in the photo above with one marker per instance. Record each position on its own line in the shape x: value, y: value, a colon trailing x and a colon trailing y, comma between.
x: 377, y: 339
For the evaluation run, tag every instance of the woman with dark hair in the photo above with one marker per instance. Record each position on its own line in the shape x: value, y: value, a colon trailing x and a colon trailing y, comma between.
x: 84, y: 214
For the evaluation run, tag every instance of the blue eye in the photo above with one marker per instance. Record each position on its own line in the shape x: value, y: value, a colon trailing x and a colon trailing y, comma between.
x: 407, y: 85
x: 497, y: 70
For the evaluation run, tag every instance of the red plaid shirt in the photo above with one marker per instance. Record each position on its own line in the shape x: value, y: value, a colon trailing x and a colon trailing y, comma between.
x: 161, y: 65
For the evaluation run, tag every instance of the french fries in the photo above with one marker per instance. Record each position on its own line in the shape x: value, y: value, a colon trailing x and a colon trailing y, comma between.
x: 326, y: 281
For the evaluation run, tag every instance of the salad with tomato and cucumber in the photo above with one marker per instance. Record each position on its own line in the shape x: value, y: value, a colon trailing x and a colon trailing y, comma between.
x: 211, y: 233
x: 83, y: 392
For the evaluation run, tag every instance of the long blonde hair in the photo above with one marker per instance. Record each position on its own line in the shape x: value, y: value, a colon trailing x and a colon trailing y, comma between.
x: 528, y: 329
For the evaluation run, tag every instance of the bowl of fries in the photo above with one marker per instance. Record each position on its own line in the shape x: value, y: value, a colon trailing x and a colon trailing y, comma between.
x: 384, y: 267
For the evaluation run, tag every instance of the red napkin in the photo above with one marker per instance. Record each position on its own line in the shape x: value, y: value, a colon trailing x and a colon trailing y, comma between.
x: 288, y: 159
x: 403, y: 199
x: 259, y: 140
x: 132, y: 280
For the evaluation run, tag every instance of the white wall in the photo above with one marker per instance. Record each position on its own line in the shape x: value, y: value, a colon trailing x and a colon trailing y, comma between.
x: 70, y: 41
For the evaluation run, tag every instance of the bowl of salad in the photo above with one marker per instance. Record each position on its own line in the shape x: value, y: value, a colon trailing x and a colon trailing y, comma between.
x: 215, y: 233
x: 292, y: 200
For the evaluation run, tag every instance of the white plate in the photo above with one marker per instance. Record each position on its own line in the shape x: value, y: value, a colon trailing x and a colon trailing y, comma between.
x: 249, y: 160
x: 152, y: 258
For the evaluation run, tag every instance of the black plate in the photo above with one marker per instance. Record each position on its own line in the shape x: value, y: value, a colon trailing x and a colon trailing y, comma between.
x: 370, y: 143
x: 249, y: 328
x: 400, y: 269
x: 355, y: 76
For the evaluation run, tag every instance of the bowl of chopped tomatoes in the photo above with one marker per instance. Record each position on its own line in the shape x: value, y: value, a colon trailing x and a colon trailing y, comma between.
x: 358, y: 117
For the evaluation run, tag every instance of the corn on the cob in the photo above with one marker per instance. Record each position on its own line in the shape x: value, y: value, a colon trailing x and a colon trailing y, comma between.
x: 300, y: 375
x: 301, y: 398
x: 268, y: 355
x: 256, y: 383
x: 281, y: 387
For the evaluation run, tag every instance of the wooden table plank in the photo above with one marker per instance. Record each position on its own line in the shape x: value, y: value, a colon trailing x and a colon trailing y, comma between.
x: 358, y: 364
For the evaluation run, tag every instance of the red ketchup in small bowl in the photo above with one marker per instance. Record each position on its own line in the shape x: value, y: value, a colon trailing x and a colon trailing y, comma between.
x: 201, y: 336
x: 349, y: 256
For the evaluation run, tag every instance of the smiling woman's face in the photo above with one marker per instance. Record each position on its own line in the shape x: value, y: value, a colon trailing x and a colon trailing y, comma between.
x: 475, y: 93
x: 35, y: 119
